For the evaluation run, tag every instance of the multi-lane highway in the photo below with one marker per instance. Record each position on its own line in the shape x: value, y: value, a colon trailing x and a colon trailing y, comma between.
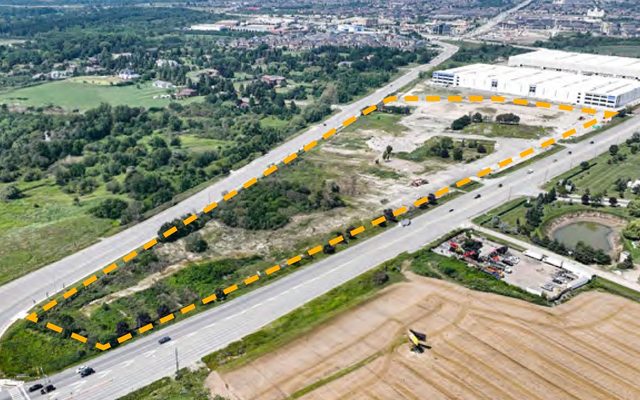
x: 141, y: 362
x: 20, y: 295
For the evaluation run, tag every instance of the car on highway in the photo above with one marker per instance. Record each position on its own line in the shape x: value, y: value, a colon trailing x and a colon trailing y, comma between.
x: 86, y: 372
x: 80, y: 368
x: 529, y: 171
x: 478, y: 196
x: 47, y: 389
x: 164, y: 339
x: 405, y: 222
x: 451, y: 210
x: 35, y: 387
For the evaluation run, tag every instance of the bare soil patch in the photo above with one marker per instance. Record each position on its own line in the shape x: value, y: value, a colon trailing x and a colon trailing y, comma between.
x: 484, y: 346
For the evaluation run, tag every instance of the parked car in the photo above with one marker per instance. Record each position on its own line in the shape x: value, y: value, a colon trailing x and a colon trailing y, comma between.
x: 87, y: 371
x: 47, y: 389
x: 164, y: 339
x: 35, y: 387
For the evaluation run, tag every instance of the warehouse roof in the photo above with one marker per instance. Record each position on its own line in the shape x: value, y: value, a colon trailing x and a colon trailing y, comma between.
x: 532, y: 76
x: 584, y: 62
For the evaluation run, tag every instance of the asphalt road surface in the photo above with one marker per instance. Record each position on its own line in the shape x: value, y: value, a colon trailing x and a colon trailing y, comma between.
x: 20, y: 295
x: 143, y: 361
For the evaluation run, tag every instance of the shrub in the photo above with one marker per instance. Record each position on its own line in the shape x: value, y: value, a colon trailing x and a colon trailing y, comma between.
x: 109, y: 208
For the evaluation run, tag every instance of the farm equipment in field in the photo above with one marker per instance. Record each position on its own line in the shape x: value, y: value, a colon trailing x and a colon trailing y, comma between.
x: 418, y: 341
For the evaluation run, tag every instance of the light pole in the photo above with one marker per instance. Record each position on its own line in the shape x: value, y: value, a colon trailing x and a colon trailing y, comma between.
x: 177, y: 363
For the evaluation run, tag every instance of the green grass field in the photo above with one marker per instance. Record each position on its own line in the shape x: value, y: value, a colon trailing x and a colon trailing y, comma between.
x: 72, y: 95
x: 509, y: 131
x: 379, y: 121
x: 45, y: 226
x: 198, y: 144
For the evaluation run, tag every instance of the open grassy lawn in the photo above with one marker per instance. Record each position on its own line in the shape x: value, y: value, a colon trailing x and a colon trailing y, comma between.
x: 601, y: 176
x: 424, y: 153
x: 45, y: 226
x: 71, y: 94
x: 379, y: 121
x: 187, y: 385
x: 503, y: 130
x: 199, y: 144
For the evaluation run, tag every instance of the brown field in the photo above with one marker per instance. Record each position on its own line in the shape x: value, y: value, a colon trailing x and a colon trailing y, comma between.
x: 483, y: 346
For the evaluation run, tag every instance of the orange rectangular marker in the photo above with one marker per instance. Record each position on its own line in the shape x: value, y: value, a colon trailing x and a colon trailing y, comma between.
x: 110, y: 268
x: 54, y: 327
x: 230, y: 195
x: 170, y: 231
x: 70, y: 293
x: 498, y: 99
x: 294, y: 260
x: 357, y: 231
x: 130, y: 256
x: 314, y: 250
x: 90, y: 280
x: 565, y: 107
x: 49, y: 305
x: 568, y: 133
x: 270, y: 170
x: 250, y: 183
x: 209, y: 299
x: 150, y: 244
x: 505, y: 162
x: 188, y: 308
x: 310, y: 145
x: 463, y: 182
x: 589, y: 124
x: 272, y: 270
x: 167, y: 318
x: 389, y: 99
x: 349, y: 121
x: 526, y: 152
x: 399, y: 211
x: 547, y: 143
x: 591, y: 111
x: 329, y: 133
x: 103, y: 347
x: 609, y: 114
x: 442, y: 192
x: 475, y: 99
x: 433, y: 99
x: 520, y: 102
x: 484, y: 172
x: 369, y: 110
x: 33, y: 317
x: 455, y: 99
x: 190, y: 219
x: 230, y: 289
x: 411, y: 98
x: 420, y: 201
x: 251, y: 279
x: 145, y: 328
x: 378, y: 221
x: 290, y: 158
x: 124, y: 338
x: 210, y: 207
x: 543, y: 104
x: 79, y: 338
x: 336, y: 240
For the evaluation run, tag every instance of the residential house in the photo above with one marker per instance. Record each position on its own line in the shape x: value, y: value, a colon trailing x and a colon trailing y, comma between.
x: 163, y: 84
x: 274, y: 80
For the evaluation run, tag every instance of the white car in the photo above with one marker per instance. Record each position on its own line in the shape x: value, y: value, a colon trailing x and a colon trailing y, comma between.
x: 530, y: 171
x: 80, y: 368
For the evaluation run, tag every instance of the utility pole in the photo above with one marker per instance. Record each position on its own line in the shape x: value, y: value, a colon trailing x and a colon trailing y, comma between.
x: 177, y: 363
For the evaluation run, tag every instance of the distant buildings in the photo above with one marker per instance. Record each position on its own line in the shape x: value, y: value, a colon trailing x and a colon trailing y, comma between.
x: 128, y: 74
x: 184, y: 93
x: 163, y: 84
x: 274, y: 80
x: 167, y: 63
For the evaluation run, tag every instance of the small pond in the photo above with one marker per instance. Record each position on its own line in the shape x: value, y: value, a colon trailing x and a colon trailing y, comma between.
x: 592, y: 233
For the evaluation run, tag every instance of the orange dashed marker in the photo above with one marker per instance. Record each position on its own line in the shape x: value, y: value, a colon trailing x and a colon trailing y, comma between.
x: 167, y: 318
x: 454, y: 99
x: 54, y: 327
x: 565, y: 107
x: 270, y: 170
x: 505, y: 162
x: 568, y: 133
x: 349, y: 121
x: 591, y: 111
x: 357, y: 231
x: 33, y: 317
x: 209, y: 299
x: 475, y: 99
x: 250, y: 183
x: 210, y: 207
x: 310, y: 145
x: 130, y: 256
x: 103, y: 347
x: 543, y: 104
x: 70, y: 293
x: 547, y: 143
x: 420, y: 201
x: 329, y: 133
x: 314, y: 250
x: 294, y: 260
x: 190, y: 219
x: 230, y: 289
x: 230, y: 195
x: 110, y: 268
x: 272, y: 270
x: 498, y: 99
x: 124, y: 338
x: 290, y: 158
x: 188, y: 308
x: 411, y: 98
x: 79, y: 338
x: 49, y: 305
x: 591, y: 123
x: 441, y: 192
x: 145, y: 328
x: 251, y: 279
x: 170, y: 231
x: 610, y: 114
x: 369, y: 110
x: 463, y: 182
x: 526, y: 153
x: 399, y: 211
x: 484, y: 172
x: 520, y: 102
x: 150, y: 244
x: 389, y: 99
x: 336, y: 240
x: 378, y: 221
x: 433, y: 99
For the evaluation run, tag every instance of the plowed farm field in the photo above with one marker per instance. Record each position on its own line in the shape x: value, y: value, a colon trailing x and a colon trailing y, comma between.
x: 483, y: 346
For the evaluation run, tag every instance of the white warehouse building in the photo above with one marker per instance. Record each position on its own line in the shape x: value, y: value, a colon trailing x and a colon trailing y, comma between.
x: 582, y: 63
x: 555, y: 86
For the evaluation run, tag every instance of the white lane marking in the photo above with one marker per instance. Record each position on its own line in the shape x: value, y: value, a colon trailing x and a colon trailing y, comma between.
x: 192, y: 334
x: 103, y: 373
x: 78, y: 384
x: 128, y: 362
x: 149, y: 353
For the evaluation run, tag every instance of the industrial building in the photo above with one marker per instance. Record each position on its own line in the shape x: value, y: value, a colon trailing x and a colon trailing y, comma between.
x: 555, y: 86
x: 581, y: 63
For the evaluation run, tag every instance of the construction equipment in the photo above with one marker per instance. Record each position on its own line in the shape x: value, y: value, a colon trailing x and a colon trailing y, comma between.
x: 417, y: 341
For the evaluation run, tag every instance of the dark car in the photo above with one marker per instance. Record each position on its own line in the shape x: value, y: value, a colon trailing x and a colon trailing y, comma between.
x: 47, y: 389
x: 87, y: 371
x: 478, y: 196
x: 451, y: 210
x: 35, y: 387
x: 164, y: 340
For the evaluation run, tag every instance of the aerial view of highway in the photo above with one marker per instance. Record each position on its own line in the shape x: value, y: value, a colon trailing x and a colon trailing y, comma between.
x: 293, y: 199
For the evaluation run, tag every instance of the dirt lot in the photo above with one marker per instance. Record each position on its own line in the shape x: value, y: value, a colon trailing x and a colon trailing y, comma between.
x: 484, y: 346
